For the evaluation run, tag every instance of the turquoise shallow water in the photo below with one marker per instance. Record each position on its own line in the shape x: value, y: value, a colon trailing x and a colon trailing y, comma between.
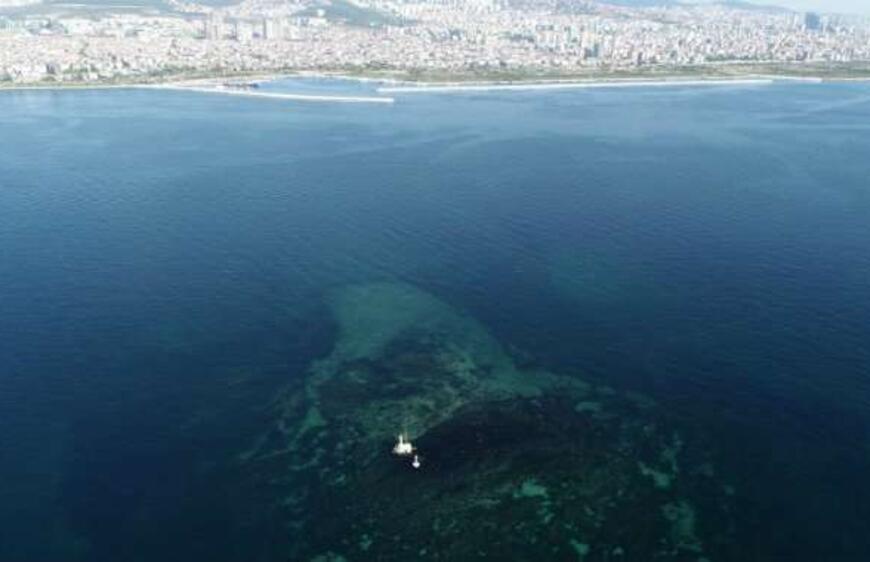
x: 165, y: 259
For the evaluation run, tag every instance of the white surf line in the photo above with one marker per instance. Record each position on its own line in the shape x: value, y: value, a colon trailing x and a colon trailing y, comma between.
x: 274, y: 95
x: 572, y: 85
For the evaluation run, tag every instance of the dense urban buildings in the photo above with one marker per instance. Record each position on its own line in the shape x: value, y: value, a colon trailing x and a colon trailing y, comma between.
x: 75, y: 43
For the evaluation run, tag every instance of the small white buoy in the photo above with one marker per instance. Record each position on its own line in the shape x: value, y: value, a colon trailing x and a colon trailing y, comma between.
x: 403, y: 447
x: 416, y: 462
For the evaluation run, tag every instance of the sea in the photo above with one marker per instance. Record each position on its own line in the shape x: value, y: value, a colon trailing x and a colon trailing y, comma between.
x: 169, y: 262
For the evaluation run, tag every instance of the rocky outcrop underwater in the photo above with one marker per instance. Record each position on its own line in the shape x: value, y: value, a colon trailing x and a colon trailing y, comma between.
x: 515, y: 463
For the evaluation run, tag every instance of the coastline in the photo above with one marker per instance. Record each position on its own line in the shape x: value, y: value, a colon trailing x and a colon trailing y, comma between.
x: 569, y: 85
x: 393, y: 83
x: 61, y: 87
x: 209, y: 86
x: 271, y: 95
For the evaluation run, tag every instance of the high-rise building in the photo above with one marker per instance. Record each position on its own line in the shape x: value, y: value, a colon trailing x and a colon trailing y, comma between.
x: 272, y: 29
x: 244, y: 30
x: 812, y: 22
x: 214, y: 26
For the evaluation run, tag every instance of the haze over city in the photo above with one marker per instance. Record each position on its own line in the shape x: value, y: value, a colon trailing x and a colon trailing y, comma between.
x: 822, y: 6
x: 478, y: 39
x: 843, y: 6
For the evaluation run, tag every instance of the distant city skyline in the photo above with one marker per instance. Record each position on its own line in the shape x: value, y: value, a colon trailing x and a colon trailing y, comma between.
x: 453, y: 40
x: 843, y: 6
x: 861, y: 7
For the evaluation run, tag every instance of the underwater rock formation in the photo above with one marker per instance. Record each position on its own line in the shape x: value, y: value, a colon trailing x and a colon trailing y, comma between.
x: 517, y: 464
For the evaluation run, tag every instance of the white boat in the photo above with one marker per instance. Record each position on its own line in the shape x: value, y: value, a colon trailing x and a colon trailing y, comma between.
x: 403, y: 446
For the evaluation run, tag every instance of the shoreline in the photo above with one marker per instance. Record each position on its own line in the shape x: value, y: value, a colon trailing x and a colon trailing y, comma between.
x: 406, y: 85
x: 271, y: 95
x: 208, y: 86
x: 572, y: 85
x: 63, y: 87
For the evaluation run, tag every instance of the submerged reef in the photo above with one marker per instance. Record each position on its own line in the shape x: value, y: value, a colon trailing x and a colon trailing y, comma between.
x: 517, y: 464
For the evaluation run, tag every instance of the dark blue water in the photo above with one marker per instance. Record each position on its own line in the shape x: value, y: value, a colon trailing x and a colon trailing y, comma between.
x: 164, y: 255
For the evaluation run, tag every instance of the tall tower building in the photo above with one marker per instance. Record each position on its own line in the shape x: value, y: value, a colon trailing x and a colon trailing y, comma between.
x: 272, y: 29
x: 214, y: 26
